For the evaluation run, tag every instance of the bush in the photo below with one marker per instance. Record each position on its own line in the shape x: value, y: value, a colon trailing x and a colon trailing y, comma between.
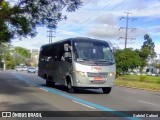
x: 158, y: 81
x: 142, y: 78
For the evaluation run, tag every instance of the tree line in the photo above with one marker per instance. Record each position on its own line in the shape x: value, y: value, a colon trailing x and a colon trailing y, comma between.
x: 129, y: 59
x: 21, y: 19
x: 10, y: 56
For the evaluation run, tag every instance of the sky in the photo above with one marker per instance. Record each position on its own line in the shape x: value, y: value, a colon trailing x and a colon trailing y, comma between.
x: 101, y: 19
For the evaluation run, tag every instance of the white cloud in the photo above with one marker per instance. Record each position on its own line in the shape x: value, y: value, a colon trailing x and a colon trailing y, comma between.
x: 104, y: 31
x: 32, y: 43
x: 99, y: 19
x: 106, y: 19
x: 66, y: 33
x: 157, y: 46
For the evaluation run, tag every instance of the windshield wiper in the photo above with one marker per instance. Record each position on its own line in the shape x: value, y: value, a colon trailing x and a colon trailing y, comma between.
x: 107, y: 61
x: 83, y: 59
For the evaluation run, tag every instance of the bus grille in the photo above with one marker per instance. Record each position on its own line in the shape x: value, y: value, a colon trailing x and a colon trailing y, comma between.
x: 104, y: 75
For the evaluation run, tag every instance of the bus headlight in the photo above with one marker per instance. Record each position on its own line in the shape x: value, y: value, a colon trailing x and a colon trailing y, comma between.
x: 80, y: 73
x: 111, y: 74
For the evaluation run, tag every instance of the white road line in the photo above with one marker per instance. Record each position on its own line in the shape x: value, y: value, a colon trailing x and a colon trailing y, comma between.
x: 148, y: 103
x: 43, y: 89
x: 84, y: 104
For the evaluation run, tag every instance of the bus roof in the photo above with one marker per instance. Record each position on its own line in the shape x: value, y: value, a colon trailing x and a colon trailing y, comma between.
x: 73, y: 39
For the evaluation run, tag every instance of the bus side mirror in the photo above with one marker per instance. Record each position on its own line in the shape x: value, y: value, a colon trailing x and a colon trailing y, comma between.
x: 67, y: 56
x: 66, y: 47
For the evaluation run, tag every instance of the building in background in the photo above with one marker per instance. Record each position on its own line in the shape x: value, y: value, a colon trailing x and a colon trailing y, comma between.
x: 157, y: 59
x: 34, y: 57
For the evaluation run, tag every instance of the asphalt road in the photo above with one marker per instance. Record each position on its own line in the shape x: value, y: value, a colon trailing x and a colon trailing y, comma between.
x: 20, y: 91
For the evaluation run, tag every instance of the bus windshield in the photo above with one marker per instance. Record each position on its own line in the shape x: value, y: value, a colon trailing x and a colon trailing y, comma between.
x: 98, y: 51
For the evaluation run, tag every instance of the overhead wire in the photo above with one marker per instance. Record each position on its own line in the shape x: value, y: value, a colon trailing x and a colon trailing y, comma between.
x: 81, y: 23
x: 90, y: 15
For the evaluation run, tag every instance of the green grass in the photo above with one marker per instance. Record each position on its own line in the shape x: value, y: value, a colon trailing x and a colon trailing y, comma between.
x: 141, y: 78
x: 139, y: 85
x: 140, y: 82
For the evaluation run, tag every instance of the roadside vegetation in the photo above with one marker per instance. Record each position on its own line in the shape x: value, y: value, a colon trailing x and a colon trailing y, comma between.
x: 130, y: 60
x: 139, y: 81
x: 141, y: 78
x: 21, y: 20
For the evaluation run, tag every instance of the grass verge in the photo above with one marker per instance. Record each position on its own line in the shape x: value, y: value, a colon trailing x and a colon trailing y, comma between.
x: 139, y: 85
x: 140, y: 78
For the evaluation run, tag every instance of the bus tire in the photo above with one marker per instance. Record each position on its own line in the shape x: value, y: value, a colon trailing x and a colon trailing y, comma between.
x: 48, y: 83
x: 69, y: 87
x: 106, y: 90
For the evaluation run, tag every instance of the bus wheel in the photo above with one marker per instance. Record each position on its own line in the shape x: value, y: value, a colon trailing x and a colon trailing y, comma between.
x: 106, y: 90
x: 48, y: 83
x: 69, y: 87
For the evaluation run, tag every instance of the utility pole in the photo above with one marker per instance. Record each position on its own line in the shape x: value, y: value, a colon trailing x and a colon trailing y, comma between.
x: 50, y: 35
x: 127, y: 28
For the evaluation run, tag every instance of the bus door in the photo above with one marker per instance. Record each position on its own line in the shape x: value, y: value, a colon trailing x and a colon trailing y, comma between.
x: 66, y: 63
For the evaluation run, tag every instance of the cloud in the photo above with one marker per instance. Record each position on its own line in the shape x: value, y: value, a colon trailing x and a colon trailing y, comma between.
x: 157, y: 46
x: 32, y: 43
x: 106, y: 19
x: 104, y: 27
x: 99, y: 19
x: 66, y: 33
x: 104, y: 31
x: 156, y: 29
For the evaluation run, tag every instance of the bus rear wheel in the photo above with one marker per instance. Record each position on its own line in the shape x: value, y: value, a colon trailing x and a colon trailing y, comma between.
x: 106, y: 90
x: 48, y: 83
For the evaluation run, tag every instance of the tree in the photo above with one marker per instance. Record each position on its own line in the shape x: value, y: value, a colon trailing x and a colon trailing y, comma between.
x: 143, y: 54
x: 21, y: 55
x: 148, y: 45
x: 126, y: 59
x: 157, y: 66
x: 22, y: 19
x: 13, y: 56
x: 23, y: 52
x: 6, y: 56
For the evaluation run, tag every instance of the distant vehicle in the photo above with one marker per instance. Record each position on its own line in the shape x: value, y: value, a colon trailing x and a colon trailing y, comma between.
x: 24, y: 68
x: 31, y: 70
x: 36, y: 68
x: 78, y: 62
x: 19, y: 68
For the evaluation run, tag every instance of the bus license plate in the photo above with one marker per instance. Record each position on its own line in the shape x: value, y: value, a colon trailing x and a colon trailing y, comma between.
x: 97, y: 78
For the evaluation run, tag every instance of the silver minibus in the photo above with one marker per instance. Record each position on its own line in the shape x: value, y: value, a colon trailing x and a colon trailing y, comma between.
x: 78, y: 62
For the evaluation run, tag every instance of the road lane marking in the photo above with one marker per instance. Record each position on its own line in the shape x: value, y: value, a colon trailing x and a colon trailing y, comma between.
x: 43, y: 89
x: 147, y: 102
x: 69, y: 96
x: 83, y: 104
